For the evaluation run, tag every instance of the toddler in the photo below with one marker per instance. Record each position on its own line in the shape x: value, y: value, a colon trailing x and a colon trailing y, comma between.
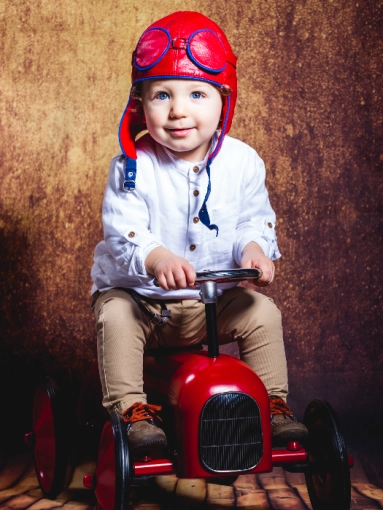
x: 184, y: 197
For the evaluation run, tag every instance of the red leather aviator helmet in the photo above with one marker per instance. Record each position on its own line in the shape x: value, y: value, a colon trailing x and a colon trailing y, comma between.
x: 183, y: 45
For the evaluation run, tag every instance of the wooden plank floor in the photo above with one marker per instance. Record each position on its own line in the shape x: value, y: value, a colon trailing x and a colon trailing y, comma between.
x: 277, y: 490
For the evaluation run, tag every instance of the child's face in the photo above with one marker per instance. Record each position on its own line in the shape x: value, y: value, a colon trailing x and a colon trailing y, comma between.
x: 182, y: 115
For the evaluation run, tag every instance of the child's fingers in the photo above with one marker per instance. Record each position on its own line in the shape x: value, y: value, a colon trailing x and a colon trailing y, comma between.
x: 175, y: 277
x: 162, y: 282
x: 175, y: 273
x: 180, y: 278
x: 190, y: 275
x: 266, y: 266
x: 267, y: 273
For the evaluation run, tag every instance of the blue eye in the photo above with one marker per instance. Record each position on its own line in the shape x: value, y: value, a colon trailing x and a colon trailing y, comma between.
x: 196, y: 95
x: 162, y: 96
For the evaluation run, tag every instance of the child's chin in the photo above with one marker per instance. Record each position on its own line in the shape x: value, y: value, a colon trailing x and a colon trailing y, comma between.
x: 192, y: 154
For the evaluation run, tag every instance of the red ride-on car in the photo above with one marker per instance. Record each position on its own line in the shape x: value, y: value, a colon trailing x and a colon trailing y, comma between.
x: 216, y: 415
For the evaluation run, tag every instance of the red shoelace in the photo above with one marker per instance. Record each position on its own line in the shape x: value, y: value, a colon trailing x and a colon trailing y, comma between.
x: 140, y: 412
x: 279, y: 406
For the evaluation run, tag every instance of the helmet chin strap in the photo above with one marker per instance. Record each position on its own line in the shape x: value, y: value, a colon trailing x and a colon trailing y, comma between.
x: 203, y: 213
x: 130, y: 174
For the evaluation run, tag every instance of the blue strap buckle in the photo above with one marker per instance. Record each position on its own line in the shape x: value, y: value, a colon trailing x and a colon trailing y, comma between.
x: 129, y: 185
x: 130, y: 175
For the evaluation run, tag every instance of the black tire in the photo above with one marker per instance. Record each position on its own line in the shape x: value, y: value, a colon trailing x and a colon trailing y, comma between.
x: 51, y: 439
x: 113, y: 473
x: 328, y: 473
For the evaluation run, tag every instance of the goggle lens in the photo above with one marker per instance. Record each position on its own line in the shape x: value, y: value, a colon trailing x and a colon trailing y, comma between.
x: 207, y: 51
x: 151, y: 47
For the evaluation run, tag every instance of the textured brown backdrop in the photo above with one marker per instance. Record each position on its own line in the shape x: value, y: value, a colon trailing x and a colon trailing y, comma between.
x: 310, y: 102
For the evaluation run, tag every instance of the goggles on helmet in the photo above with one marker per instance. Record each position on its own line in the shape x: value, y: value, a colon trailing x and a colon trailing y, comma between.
x: 203, y: 48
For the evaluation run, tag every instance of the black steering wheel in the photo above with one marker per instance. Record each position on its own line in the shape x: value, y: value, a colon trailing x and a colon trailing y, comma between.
x: 224, y: 276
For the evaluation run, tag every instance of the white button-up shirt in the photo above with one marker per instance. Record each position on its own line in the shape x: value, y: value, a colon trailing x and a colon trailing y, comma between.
x: 163, y: 211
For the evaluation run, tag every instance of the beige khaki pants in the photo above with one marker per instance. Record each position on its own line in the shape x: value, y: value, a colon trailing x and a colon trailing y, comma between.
x: 124, y: 332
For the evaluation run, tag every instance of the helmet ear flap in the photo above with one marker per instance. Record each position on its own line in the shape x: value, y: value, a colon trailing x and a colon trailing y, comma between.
x: 132, y: 123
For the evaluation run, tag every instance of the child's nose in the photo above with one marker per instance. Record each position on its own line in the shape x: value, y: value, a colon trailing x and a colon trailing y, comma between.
x: 178, y: 108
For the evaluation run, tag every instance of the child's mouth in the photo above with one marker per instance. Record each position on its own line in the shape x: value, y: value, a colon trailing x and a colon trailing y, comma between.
x: 178, y: 132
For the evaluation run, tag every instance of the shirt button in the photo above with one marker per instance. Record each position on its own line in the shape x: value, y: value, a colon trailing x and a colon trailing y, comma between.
x: 270, y: 224
x: 192, y: 247
x: 131, y: 234
x: 195, y: 169
x: 196, y: 219
x: 196, y: 192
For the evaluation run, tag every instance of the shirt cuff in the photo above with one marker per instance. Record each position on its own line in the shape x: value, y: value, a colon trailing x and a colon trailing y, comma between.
x: 139, y: 257
x: 269, y: 247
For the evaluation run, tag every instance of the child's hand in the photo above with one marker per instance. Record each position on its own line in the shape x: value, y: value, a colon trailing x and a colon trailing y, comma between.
x: 171, y: 271
x: 253, y: 257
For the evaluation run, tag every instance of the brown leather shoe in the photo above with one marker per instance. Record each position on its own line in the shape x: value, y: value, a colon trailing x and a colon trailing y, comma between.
x: 144, y: 436
x: 284, y: 426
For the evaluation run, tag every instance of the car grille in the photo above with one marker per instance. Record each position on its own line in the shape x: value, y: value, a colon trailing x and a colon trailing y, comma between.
x: 230, y: 433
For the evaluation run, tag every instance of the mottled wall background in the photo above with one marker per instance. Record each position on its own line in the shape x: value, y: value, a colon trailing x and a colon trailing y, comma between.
x: 310, y: 102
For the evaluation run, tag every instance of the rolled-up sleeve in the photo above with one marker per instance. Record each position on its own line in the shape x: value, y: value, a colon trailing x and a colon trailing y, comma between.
x: 126, y: 222
x: 256, y: 221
